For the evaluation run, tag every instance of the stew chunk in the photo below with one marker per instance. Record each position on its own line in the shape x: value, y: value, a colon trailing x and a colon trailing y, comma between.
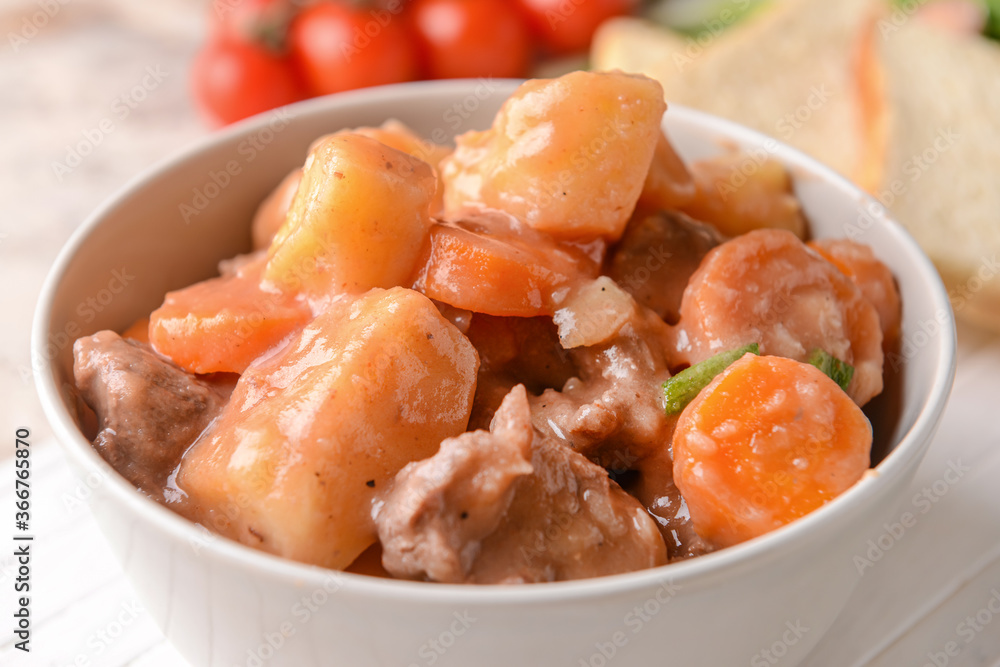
x: 314, y: 431
x: 222, y: 324
x: 149, y: 410
x: 511, y: 506
x: 568, y: 156
x: 768, y: 441
x: 358, y: 219
x: 767, y: 287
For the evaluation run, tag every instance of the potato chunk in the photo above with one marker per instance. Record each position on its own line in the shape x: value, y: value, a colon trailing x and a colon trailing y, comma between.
x: 312, y: 433
x: 740, y: 192
x: 568, y: 156
x: 271, y: 213
x: 394, y: 133
x: 358, y: 219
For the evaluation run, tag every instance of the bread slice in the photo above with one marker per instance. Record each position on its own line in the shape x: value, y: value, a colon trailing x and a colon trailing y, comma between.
x: 909, y: 112
x: 790, y: 72
x: 941, y: 172
x: 635, y: 45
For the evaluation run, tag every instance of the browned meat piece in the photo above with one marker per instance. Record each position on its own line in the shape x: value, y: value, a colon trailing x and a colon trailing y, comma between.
x: 656, y: 257
x: 613, y: 414
x: 654, y: 487
x: 511, y: 506
x: 149, y: 411
x: 527, y: 348
x: 491, y: 387
x: 441, y: 509
x: 613, y: 411
x: 514, y: 350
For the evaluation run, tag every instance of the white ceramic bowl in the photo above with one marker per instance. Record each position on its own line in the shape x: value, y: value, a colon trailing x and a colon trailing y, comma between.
x: 221, y: 603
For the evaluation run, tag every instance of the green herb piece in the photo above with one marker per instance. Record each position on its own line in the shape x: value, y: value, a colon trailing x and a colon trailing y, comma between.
x: 839, y: 371
x: 683, y: 387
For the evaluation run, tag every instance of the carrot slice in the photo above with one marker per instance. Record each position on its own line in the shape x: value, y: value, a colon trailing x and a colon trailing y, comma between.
x: 487, y: 264
x: 138, y: 330
x: 223, y: 324
x: 768, y: 441
x: 873, y: 278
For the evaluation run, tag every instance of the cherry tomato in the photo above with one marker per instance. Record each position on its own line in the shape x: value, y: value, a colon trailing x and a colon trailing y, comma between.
x: 338, y: 47
x: 256, y: 21
x: 566, y: 26
x: 233, y: 80
x: 470, y: 38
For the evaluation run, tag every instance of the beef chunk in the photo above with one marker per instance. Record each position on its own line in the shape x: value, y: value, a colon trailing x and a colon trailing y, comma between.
x: 511, y: 506
x: 512, y: 351
x: 149, y: 411
x: 656, y: 257
x: 612, y: 412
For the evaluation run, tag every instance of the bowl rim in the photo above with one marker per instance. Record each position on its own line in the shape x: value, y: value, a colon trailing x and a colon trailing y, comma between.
x: 695, y: 572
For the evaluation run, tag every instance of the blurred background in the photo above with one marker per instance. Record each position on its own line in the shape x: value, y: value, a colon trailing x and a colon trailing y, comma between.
x: 71, y: 87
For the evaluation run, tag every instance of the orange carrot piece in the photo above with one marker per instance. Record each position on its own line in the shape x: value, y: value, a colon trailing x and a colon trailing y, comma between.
x: 223, y: 324
x: 138, y: 331
x: 768, y: 441
x: 873, y: 278
x: 486, y: 266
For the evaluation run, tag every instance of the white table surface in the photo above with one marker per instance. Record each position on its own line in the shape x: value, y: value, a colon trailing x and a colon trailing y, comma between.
x: 909, y: 607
